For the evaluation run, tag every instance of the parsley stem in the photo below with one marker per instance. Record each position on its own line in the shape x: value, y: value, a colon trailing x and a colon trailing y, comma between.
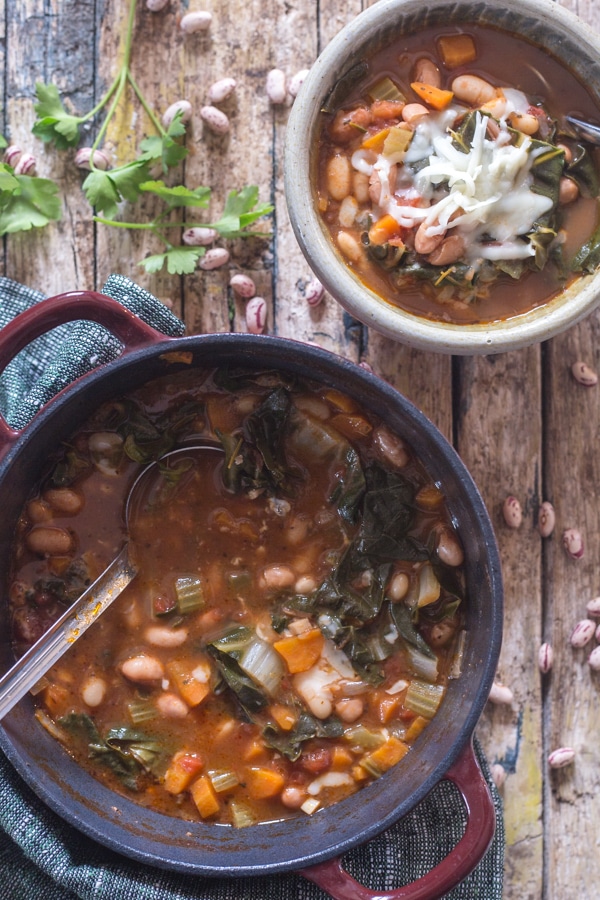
x: 143, y: 101
x: 141, y: 226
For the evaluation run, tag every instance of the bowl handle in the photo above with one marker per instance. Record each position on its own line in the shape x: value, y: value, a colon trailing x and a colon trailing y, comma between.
x: 481, y: 823
x: 48, y: 314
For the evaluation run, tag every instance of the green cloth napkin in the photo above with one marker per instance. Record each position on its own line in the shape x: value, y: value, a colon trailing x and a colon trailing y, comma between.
x: 41, y: 856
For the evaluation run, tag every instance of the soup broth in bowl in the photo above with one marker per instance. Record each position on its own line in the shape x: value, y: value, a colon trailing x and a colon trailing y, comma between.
x: 298, y: 612
x: 451, y: 205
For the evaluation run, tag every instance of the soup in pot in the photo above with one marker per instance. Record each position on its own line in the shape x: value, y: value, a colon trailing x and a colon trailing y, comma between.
x: 298, y: 609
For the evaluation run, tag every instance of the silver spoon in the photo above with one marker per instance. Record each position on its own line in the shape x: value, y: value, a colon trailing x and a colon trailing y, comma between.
x: 585, y: 130
x: 35, y: 662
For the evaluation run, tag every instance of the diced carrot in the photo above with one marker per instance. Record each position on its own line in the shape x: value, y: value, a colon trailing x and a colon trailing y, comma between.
x: 185, y: 675
x: 457, y: 49
x: 379, y: 761
x: 301, y: 651
x: 222, y: 413
x: 429, y: 497
x: 263, y: 783
x: 57, y: 700
x: 387, y: 707
x: 182, y: 770
x: 415, y: 728
x: 59, y: 564
x: 341, y: 758
x: 383, y: 229
x: 376, y: 141
x: 285, y: 717
x: 352, y: 426
x: 432, y: 96
x: 204, y: 796
x: 254, y: 750
x: 358, y: 773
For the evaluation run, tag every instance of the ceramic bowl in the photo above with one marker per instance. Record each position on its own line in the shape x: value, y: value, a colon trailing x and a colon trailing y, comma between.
x: 542, y: 22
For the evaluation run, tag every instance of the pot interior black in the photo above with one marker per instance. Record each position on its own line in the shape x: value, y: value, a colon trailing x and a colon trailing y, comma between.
x: 218, y: 850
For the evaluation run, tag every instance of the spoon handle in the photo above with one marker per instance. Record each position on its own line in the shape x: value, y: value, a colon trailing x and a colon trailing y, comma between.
x: 34, y: 664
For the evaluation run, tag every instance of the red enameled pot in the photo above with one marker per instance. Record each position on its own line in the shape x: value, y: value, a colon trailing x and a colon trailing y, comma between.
x: 311, y: 845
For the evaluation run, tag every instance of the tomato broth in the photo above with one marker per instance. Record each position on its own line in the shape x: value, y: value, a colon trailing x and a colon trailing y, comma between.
x: 457, y: 256
x: 298, y: 609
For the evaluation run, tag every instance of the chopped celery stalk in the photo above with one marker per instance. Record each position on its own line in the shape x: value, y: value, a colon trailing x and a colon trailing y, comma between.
x: 429, y: 586
x: 141, y: 711
x: 234, y: 641
x: 379, y: 647
x: 223, y: 780
x: 239, y: 581
x: 457, y: 660
x: 189, y: 594
x: 241, y: 815
x: 385, y: 89
x: 263, y: 664
x: 425, y: 666
x: 362, y: 737
x: 397, y: 142
x: 423, y: 698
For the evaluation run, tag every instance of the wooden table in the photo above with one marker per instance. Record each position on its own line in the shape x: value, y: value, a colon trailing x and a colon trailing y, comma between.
x: 520, y: 421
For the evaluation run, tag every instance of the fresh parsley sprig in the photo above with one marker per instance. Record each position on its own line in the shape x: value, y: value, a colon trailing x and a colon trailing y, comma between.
x: 26, y: 201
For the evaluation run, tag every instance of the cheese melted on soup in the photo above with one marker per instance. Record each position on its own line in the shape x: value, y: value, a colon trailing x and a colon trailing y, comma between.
x: 297, y: 612
x: 452, y: 188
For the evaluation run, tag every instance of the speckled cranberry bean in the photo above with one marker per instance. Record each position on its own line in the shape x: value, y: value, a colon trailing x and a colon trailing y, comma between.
x: 296, y: 82
x: 594, y: 659
x: 500, y: 694
x: 545, y: 658
x: 214, y: 259
x: 12, y: 155
x: 593, y: 606
x: 221, y: 90
x: 26, y: 165
x: 256, y: 315
x: 180, y: 106
x: 276, y: 87
x: 196, y: 21
x: 199, y: 236
x: 512, y: 512
x: 242, y: 285
x: 156, y: 5
x: 83, y: 159
x: 583, y: 633
x: 562, y: 756
x: 498, y: 773
x: 215, y: 119
x: 546, y: 519
x: 573, y: 543
x: 583, y: 374
x: 314, y: 292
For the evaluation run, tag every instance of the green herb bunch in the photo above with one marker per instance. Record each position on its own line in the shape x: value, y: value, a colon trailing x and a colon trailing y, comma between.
x: 27, y: 201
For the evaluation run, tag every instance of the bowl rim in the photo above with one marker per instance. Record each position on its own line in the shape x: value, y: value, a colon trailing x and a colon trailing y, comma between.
x: 541, y: 323
x: 84, y: 803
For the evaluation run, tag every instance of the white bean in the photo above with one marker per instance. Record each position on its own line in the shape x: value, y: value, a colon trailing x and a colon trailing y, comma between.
x: 293, y: 797
x: 143, y: 668
x: 348, y: 211
x: 47, y: 540
x: 350, y: 709
x: 172, y: 706
x: 349, y: 246
x: 360, y: 186
x: 320, y: 706
x: 473, y: 90
x: 338, y: 176
x: 162, y: 636
x: 64, y: 500
x: 305, y: 585
x: 397, y: 589
x: 279, y: 576
x: 390, y: 446
x: 215, y: 119
x: 93, y: 691
x: 413, y: 112
x: 221, y: 90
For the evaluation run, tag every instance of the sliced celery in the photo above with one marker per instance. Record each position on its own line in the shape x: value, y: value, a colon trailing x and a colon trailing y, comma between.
x: 223, y: 780
x: 397, y: 142
x: 386, y: 89
x: 429, y: 586
x: 263, y: 664
x: 362, y: 737
x: 241, y: 815
x: 189, y: 594
x: 425, y: 666
x: 423, y: 698
x: 141, y: 711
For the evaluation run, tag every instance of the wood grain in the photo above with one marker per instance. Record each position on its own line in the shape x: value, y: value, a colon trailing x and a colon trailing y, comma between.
x: 520, y: 421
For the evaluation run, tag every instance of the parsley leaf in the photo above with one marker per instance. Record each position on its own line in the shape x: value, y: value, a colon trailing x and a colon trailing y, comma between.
x: 239, y: 211
x: 165, y: 147
x: 54, y: 124
x: 8, y: 180
x: 179, y: 260
x: 105, y: 190
x: 178, y: 195
x: 31, y: 204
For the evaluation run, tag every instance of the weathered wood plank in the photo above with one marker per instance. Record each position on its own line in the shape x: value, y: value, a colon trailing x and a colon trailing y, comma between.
x: 499, y: 438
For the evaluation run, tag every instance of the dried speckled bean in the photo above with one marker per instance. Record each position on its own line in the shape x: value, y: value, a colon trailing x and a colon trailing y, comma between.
x: 573, y: 543
x: 498, y: 773
x: 156, y: 5
x: 83, y: 159
x: 593, y: 606
x: 199, y: 236
x: 545, y: 658
x: 12, y: 155
x: 195, y: 21
x: 546, y: 519
x: 500, y: 694
x: 314, y: 292
x: 221, y: 90
x: 594, y: 659
x: 26, y: 165
x: 214, y: 259
x: 180, y: 106
x: 583, y: 633
x: 242, y: 285
x: 275, y: 87
x: 583, y: 374
x: 215, y: 119
x: 296, y: 82
x: 562, y: 756
x: 256, y: 315
x: 512, y: 512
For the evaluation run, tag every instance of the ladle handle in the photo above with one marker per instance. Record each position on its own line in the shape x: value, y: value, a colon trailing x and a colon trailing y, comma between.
x: 34, y: 664
x: 69, y: 307
x: 460, y: 862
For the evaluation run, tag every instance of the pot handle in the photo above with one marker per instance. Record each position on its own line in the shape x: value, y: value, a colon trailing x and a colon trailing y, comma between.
x: 53, y: 311
x: 460, y: 862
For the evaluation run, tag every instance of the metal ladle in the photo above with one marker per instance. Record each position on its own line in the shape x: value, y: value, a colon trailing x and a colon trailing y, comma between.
x: 33, y: 665
x: 585, y: 130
